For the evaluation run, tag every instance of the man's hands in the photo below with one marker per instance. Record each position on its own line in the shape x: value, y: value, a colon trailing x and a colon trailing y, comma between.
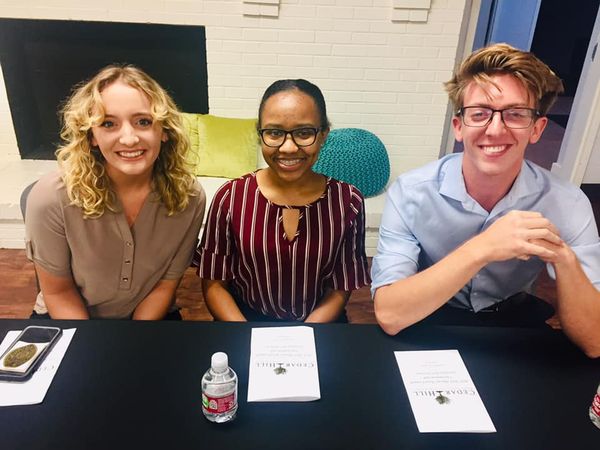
x: 519, y: 234
x: 522, y: 234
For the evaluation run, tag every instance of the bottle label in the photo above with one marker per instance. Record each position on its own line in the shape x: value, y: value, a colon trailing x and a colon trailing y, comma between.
x: 218, y: 405
x: 596, y: 405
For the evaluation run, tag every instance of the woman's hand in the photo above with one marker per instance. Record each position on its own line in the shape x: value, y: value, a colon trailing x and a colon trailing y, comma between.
x: 158, y: 302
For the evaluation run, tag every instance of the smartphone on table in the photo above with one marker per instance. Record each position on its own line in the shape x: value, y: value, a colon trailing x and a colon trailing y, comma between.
x: 26, y: 352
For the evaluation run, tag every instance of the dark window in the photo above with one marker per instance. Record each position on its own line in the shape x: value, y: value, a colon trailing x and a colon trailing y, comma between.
x: 43, y: 59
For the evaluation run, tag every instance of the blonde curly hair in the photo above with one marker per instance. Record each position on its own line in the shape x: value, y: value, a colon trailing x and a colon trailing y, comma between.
x: 539, y: 80
x: 83, y: 172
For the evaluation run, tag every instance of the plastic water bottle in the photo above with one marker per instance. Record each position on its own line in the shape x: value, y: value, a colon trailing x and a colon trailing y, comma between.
x: 595, y: 408
x: 219, y: 390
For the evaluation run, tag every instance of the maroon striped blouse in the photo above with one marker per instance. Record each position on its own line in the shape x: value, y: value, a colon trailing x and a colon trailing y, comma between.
x: 244, y: 241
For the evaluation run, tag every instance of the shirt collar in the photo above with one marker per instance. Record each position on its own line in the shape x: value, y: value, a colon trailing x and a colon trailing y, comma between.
x: 526, y: 184
x: 452, y: 184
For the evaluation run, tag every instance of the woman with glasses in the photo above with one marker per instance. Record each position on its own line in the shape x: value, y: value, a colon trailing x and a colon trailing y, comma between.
x: 284, y: 243
x: 113, y: 230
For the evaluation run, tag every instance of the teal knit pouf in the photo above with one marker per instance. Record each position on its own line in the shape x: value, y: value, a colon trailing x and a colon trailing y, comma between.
x: 357, y: 157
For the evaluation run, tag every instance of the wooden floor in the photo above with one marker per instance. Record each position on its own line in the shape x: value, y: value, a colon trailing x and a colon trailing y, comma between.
x: 18, y: 290
x: 18, y: 286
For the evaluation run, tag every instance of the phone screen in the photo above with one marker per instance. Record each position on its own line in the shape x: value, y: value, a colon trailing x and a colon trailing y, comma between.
x: 31, y: 345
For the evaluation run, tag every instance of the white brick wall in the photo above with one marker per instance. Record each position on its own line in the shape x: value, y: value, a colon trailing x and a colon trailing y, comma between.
x: 376, y: 73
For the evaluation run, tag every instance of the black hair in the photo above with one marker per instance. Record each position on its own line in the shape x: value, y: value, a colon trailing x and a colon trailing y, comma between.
x: 303, y: 86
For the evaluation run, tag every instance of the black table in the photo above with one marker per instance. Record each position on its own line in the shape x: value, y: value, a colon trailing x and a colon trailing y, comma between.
x: 137, y: 385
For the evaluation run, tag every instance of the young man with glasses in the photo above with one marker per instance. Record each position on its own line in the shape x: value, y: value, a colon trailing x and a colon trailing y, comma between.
x: 462, y: 237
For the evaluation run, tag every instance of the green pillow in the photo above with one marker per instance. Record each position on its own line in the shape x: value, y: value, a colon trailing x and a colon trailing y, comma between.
x: 220, y: 146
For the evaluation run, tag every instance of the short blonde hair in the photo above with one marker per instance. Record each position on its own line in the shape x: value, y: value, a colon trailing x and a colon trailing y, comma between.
x: 539, y: 80
x: 84, y: 174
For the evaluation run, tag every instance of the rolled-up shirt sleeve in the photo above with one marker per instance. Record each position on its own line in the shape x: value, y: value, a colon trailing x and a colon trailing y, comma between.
x: 45, y: 236
x: 351, y: 270
x: 398, y: 249
x: 182, y: 258
x: 583, y: 239
x: 214, y: 254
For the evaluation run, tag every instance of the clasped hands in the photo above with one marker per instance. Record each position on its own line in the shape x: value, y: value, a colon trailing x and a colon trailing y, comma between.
x: 521, y: 234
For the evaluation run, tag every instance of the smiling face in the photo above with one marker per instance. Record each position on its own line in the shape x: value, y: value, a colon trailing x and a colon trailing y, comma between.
x: 495, y: 152
x: 128, y: 137
x: 290, y: 110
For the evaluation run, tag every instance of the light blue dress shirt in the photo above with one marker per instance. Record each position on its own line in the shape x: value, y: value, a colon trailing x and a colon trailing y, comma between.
x: 428, y: 214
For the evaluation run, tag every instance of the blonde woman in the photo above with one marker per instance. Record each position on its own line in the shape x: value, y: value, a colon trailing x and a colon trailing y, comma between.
x: 113, y: 230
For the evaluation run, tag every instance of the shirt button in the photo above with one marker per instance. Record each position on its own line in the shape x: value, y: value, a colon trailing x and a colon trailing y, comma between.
x: 125, y: 279
x: 127, y: 261
x: 128, y: 244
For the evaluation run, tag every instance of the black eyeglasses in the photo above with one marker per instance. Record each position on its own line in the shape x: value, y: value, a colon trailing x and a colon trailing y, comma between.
x: 480, y: 116
x: 302, y: 137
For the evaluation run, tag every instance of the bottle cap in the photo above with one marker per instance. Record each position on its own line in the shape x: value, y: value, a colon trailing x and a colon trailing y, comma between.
x: 219, y: 362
